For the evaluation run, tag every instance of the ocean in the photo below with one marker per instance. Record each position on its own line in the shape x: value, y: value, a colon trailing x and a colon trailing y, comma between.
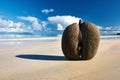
x: 108, y: 35
x: 27, y: 35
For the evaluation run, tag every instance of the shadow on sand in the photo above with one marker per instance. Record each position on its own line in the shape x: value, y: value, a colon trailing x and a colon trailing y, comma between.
x: 41, y: 57
x: 44, y: 57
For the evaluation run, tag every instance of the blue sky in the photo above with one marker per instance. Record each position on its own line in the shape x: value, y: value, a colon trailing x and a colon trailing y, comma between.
x: 55, y: 15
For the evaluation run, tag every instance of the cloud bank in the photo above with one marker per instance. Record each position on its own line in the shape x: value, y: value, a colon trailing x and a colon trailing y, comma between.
x: 10, y: 26
x: 53, y: 24
x: 35, y: 25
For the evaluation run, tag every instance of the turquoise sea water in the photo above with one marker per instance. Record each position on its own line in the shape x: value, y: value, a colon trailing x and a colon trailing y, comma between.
x: 26, y: 35
x: 39, y: 35
x: 30, y: 35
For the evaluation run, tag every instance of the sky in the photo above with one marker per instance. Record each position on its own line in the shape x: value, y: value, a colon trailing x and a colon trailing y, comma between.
x: 56, y: 15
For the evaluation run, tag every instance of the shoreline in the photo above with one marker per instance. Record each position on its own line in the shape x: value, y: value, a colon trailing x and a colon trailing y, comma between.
x: 26, y: 39
x: 51, y: 38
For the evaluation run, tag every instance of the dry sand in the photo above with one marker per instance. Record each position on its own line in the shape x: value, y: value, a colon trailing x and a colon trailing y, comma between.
x: 43, y: 59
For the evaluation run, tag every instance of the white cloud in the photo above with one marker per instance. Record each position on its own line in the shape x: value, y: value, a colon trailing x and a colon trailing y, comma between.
x: 63, y: 21
x: 99, y: 27
x: 59, y: 27
x: 35, y: 22
x: 108, y: 28
x: 11, y: 26
x: 46, y: 11
x: 33, y: 25
x: 28, y: 18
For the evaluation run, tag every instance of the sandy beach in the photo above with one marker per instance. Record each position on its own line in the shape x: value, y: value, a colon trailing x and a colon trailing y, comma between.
x: 42, y: 59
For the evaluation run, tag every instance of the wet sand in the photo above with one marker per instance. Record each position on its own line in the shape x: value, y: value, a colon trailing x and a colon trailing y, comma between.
x: 37, y: 59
